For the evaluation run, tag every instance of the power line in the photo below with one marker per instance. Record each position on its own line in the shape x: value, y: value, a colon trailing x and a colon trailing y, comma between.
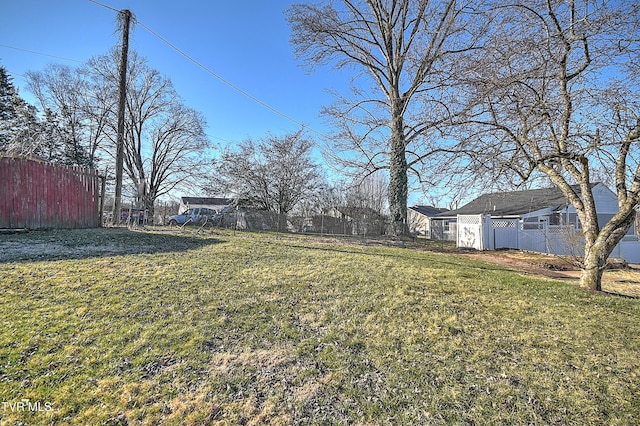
x: 104, y: 5
x: 221, y: 139
x: 13, y: 74
x: 228, y: 83
x: 40, y: 53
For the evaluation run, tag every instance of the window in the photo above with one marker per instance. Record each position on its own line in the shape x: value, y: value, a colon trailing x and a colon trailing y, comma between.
x: 447, y: 225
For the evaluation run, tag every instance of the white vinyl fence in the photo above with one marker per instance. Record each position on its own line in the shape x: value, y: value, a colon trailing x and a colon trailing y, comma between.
x: 481, y: 232
x: 628, y: 250
x: 505, y: 233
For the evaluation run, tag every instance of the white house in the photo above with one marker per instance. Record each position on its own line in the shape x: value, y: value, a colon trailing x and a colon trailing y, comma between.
x: 537, y: 220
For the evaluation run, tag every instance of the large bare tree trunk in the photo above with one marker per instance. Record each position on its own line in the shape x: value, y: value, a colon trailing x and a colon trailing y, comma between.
x: 398, y: 181
x: 593, y: 267
x: 600, y: 244
x: 406, y: 51
x: 151, y: 211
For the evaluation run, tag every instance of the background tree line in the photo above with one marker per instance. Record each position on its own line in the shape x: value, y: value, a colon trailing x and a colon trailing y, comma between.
x: 165, y: 145
x: 279, y: 174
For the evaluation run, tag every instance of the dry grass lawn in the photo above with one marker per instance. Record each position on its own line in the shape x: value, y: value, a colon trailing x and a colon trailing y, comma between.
x: 117, y: 327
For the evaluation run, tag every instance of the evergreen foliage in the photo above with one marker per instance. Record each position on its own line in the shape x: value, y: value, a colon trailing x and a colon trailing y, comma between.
x: 24, y: 133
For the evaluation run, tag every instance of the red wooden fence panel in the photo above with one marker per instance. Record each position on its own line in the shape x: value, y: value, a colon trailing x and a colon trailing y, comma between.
x: 40, y: 195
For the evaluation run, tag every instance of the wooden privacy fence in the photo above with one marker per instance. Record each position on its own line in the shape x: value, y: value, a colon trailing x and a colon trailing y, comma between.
x: 40, y: 195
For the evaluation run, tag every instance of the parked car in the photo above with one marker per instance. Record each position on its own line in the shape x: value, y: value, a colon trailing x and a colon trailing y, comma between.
x: 196, y: 216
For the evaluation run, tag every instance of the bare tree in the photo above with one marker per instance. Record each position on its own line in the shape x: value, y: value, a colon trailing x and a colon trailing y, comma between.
x: 165, y: 142
x: 366, y: 204
x: 173, y: 154
x: 99, y: 105
x: 274, y: 174
x: 407, y: 52
x: 370, y: 193
x: 59, y: 89
x: 559, y: 87
x: 83, y: 99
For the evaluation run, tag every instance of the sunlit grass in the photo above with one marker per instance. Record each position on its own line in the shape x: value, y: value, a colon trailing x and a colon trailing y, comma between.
x: 273, y: 329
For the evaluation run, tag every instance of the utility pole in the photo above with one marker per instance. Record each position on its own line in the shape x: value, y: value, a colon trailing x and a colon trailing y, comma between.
x: 124, y: 18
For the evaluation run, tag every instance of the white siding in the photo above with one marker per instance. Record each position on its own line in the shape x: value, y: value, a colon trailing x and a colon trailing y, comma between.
x: 418, y: 223
x: 606, y: 201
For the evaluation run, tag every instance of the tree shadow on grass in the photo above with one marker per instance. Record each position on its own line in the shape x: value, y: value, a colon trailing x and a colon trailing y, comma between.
x: 98, y: 242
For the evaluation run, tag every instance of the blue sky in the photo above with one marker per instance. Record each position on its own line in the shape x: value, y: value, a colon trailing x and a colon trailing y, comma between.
x: 246, y: 43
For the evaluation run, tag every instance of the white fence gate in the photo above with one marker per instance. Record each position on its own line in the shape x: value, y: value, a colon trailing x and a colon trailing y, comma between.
x: 474, y: 231
x: 505, y: 233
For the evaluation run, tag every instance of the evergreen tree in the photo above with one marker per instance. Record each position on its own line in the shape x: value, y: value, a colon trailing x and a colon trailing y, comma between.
x: 18, y: 122
x: 7, y: 92
x: 52, y: 138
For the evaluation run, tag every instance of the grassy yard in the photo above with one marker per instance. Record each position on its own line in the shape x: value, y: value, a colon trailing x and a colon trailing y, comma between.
x: 119, y: 327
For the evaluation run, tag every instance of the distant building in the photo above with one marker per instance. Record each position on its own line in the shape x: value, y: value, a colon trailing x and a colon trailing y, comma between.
x: 540, y: 220
x: 418, y: 218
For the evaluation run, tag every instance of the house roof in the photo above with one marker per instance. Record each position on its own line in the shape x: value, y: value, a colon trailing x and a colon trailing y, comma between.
x: 428, y: 211
x: 513, y: 203
x: 206, y: 201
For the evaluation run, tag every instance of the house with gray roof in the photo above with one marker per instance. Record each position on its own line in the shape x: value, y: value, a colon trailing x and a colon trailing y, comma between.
x: 536, y: 205
x: 419, y: 219
x: 536, y: 220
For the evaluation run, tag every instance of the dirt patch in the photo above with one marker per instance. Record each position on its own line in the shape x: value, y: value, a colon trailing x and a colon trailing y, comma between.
x: 621, y: 279
x: 531, y: 263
